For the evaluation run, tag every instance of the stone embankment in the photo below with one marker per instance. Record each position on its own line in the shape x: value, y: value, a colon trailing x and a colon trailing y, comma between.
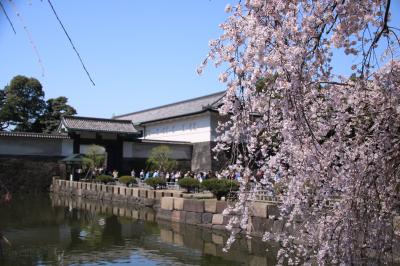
x: 174, y: 206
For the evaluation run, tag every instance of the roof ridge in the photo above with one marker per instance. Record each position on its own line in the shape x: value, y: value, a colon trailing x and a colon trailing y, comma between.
x: 97, y: 118
x: 171, y: 104
x: 32, y: 134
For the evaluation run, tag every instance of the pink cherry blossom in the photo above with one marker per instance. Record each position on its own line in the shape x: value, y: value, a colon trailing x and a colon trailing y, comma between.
x: 328, y: 145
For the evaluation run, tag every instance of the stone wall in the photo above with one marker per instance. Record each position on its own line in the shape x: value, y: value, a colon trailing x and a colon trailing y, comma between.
x: 208, y: 213
x: 29, y: 174
x: 202, y: 156
x: 122, y: 194
x: 250, y: 252
x: 175, y: 206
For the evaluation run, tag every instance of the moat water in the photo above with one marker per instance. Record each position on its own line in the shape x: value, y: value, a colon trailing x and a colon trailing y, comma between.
x: 52, y: 230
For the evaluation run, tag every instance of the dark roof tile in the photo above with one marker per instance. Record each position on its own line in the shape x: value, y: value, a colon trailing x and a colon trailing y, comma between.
x: 33, y: 135
x: 186, y: 107
x: 98, y: 124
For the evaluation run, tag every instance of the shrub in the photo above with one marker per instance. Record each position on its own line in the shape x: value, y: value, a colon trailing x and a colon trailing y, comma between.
x: 104, y: 178
x: 127, y: 180
x: 189, y: 183
x: 220, y: 187
x: 155, y: 182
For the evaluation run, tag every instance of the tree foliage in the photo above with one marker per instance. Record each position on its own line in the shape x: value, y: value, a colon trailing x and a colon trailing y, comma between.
x: 23, y: 108
x: 220, y: 187
x: 334, y: 141
x: 55, y: 109
x: 22, y: 103
x: 95, y: 157
x: 160, y: 158
x: 189, y: 183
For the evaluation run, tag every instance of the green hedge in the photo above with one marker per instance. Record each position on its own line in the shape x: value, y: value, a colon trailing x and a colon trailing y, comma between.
x: 104, y: 178
x: 189, y: 183
x: 220, y: 187
x: 127, y: 180
x: 155, y: 182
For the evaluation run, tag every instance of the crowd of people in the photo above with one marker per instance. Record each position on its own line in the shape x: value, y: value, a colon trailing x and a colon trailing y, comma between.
x: 175, y: 176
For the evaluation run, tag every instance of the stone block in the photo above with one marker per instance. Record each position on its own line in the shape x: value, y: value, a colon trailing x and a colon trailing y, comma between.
x: 193, y: 205
x: 151, y: 194
x: 164, y: 214
x: 177, y: 227
x: 210, y: 249
x: 114, y: 211
x: 135, y: 192
x: 178, y: 239
x: 257, y: 261
x: 121, y: 211
x: 218, y: 227
x: 206, y: 218
x: 150, y: 217
x: 167, y: 203
x: 122, y: 191
x: 148, y: 202
x: 135, y: 214
x: 272, y: 211
x: 219, y: 219
x: 177, y: 194
x: 193, y: 218
x: 159, y: 194
x: 178, y: 216
x: 221, y: 206
x: 143, y: 193
x: 167, y: 236
x: 178, y: 203
x: 217, y: 239
x: 210, y: 206
x: 259, y: 209
x: 107, y: 196
x: 167, y: 194
x: 259, y: 225
x: 277, y: 226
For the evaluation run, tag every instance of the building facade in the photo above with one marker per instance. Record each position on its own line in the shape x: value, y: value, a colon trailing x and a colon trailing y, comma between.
x: 187, y: 127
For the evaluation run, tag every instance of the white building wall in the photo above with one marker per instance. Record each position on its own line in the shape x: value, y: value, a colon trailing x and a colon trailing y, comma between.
x: 30, y: 146
x: 127, y: 149
x: 67, y: 147
x: 192, y: 129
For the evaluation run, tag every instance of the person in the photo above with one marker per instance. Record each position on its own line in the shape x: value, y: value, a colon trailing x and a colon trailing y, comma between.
x: 115, y: 174
x: 155, y: 173
x: 141, y: 174
x: 133, y: 173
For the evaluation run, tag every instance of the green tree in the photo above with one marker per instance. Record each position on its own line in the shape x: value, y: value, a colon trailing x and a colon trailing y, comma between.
x: 95, y: 157
x: 22, y: 104
x: 4, y: 123
x: 160, y: 158
x: 55, y: 108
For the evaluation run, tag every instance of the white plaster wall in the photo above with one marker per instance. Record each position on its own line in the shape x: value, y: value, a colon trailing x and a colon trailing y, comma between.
x: 178, y: 152
x: 30, y: 146
x: 127, y: 149
x: 193, y: 129
x: 67, y: 147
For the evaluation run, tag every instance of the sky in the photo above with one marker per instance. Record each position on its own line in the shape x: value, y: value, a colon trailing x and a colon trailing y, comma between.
x: 140, y: 54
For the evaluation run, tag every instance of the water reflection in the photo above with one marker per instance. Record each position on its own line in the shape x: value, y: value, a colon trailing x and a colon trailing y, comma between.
x: 61, y: 231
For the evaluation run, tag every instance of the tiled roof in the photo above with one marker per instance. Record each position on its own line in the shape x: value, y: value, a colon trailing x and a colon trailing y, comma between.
x: 80, y: 123
x: 186, y: 107
x: 33, y: 135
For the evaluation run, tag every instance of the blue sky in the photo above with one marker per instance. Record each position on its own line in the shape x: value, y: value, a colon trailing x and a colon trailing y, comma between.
x: 140, y: 53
